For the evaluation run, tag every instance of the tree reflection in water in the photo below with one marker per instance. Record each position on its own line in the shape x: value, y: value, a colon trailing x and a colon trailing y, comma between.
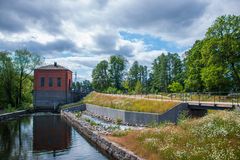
x: 38, y: 133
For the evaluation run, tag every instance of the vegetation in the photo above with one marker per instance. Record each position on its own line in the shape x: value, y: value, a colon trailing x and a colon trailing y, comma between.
x: 211, y: 65
x: 215, y: 136
x: 16, y: 81
x: 71, y: 105
x: 130, y: 104
x: 82, y: 87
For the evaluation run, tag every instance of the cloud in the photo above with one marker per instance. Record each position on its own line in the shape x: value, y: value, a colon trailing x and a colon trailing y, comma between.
x: 57, y: 47
x: 84, y: 32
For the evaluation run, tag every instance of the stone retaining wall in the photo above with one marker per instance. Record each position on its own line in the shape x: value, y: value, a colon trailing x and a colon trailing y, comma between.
x: 108, y: 147
x: 12, y: 115
x: 138, y: 118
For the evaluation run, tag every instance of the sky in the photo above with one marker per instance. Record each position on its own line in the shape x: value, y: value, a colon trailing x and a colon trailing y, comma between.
x: 80, y: 33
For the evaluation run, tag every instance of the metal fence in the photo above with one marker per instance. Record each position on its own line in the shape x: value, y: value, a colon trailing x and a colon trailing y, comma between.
x: 213, y: 98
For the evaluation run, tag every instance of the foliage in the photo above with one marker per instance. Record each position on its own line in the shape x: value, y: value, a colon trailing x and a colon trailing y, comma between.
x: 16, y: 80
x: 215, y: 136
x: 111, y: 90
x: 166, y: 69
x: 25, y: 62
x: 175, y: 87
x: 213, y: 64
x: 117, y: 65
x: 138, y: 87
x: 83, y: 87
x: 100, y: 76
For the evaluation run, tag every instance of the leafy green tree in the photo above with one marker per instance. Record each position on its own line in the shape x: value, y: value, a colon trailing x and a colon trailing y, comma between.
x: 193, y: 66
x: 25, y: 62
x: 138, y: 87
x: 165, y: 70
x: 117, y: 65
x: 133, y: 75
x: 100, y: 77
x: 144, y: 78
x: 221, y: 53
x: 175, y: 87
x: 7, y: 80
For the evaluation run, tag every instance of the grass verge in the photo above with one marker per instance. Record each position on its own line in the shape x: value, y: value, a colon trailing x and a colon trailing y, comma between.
x: 215, y: 136
x: 129, y: 104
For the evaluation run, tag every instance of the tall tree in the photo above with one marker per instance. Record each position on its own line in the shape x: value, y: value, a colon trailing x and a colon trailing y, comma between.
x: 7, y: 80
x: 117, y: 65
x: 25, y: 63
x: 100, y: 77
x: 193, y: 66
x: 133, y: 75
x: 221, y: 52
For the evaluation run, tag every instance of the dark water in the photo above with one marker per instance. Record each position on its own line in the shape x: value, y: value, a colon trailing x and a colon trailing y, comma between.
x: 44, y: 136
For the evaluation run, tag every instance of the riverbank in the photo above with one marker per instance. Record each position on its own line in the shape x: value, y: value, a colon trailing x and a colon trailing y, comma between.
x: 13, y: 115
x: 215, y: 136
x: 110, y: 148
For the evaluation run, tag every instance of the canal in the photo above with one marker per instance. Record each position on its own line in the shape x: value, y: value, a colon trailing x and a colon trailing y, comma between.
x: 44, y: 136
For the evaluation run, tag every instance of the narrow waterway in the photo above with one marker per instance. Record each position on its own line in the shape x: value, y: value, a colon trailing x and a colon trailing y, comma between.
x: 43, y: 136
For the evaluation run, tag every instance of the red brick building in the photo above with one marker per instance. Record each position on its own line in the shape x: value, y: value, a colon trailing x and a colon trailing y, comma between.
x: 52, y: 86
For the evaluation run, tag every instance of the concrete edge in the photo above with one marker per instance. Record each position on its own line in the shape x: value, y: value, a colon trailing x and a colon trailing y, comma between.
x: 112, y: 149
x: 12, y: 115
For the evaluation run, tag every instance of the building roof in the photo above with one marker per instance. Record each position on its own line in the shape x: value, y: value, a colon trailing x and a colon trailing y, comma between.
x: 54, y: 66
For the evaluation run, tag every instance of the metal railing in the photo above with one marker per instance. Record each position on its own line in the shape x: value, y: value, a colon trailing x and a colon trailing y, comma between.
x: 211, y: 98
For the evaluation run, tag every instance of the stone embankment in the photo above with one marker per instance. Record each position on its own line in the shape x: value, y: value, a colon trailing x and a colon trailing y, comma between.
x: 110, y: 148
x: 12, y: 115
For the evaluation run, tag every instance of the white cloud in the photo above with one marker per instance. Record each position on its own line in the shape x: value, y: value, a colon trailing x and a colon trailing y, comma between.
x: 80, y: 33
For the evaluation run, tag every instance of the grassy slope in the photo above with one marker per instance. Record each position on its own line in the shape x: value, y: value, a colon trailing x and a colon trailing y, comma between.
x: 215, y: 136
x: 130, y: 104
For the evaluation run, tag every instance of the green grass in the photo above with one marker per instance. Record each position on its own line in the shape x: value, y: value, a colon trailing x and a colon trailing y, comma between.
x: 129, y: 104
x: 71, y: 105
x: 215, y: 136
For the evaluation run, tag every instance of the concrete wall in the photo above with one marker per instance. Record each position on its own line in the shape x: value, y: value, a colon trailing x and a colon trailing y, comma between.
x: 13, y: 115
x: 49, y: 99
x: 140, y: 118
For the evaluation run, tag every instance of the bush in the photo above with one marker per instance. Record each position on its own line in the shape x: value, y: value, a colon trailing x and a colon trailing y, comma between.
x: 112, y: 90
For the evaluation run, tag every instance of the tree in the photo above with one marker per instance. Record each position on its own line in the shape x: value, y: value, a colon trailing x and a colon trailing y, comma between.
x: 25, y: 62
x: 165, y: 70
x: 117, y: 65
x: 100, y: 76
x: 144, y: 78
x: 193, y: 66
x: 138, y: 87
x: 7, y: 80
x: 175, y: 87
x: 133, y: 75
x: 221, y: 51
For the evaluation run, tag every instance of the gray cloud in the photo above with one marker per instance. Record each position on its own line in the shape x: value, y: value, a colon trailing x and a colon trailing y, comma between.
x: 55, y: 47
x: 18, y: 15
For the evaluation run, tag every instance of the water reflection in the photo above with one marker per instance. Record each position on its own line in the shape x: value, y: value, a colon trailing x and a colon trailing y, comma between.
x: 58, y: 135
x: 43, y: 137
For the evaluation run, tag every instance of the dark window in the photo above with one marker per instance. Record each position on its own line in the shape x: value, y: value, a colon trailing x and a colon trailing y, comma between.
x: 50, y: 82
x: 70, y: 85
x: 59, y: 82
x: 42, y: 81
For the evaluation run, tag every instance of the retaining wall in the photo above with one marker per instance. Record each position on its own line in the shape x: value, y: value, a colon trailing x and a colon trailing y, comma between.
x: 13, y: 115
x: 108, y: 147
x: 139, y: 118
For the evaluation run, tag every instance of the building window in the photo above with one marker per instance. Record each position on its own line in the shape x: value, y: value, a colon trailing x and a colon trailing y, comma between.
x: 50, y: 82
x: 70, y: 85
x: 59, y: 82
x: 42, y: 81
